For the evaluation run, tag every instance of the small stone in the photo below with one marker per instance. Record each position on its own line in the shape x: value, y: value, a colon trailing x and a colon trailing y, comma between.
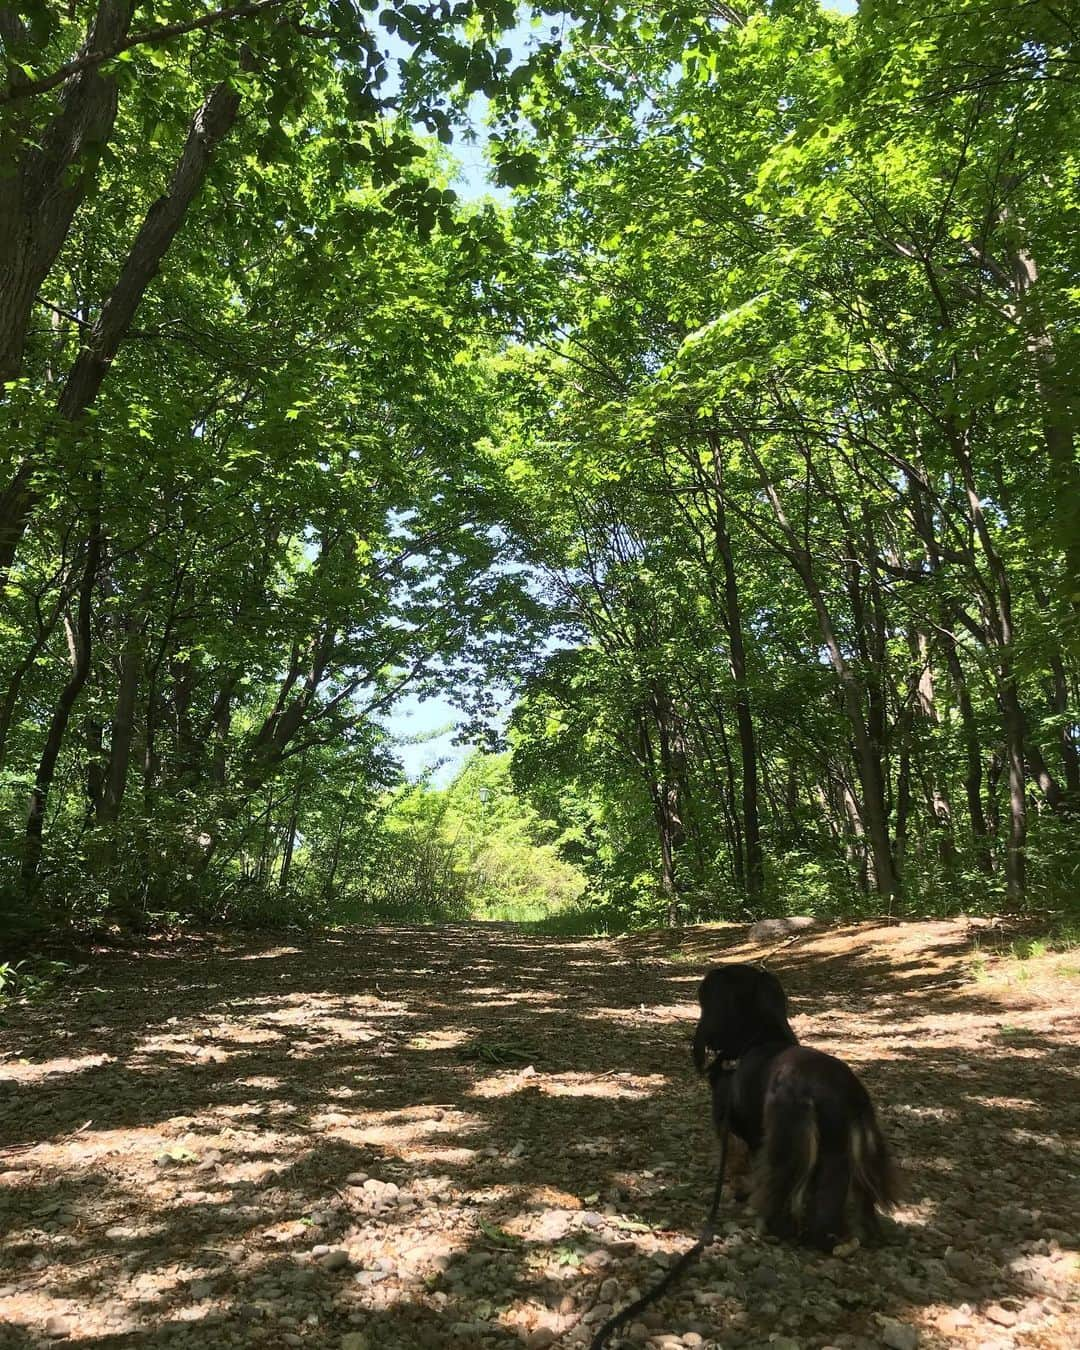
x: 596, y: 1260
x: 355, y: 1340
x: 899, y: 1335
x: 57, y: 1327
x: 962, y: 1265
x: 1004, y: 1317
x: 335, y: 1260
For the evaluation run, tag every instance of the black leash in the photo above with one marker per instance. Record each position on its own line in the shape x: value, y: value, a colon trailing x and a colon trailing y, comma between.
x: 686, y: 1260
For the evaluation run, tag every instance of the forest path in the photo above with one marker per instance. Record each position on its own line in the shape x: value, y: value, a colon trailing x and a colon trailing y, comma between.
x: 466, y: 1137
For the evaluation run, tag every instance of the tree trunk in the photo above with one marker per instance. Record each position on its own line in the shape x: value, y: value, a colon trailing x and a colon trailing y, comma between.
x: 49, y: 182
x: 744, y: 720
x: 867, y: 749
x: 208, y: 128
x: 123, y: 724
x: 1015, y: 849
x: 290, y: 829
x: 973, y: 771
x: 80, y: 668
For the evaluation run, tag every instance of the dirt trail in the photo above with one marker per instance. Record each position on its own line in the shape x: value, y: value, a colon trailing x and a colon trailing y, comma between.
x: 469, y: 1137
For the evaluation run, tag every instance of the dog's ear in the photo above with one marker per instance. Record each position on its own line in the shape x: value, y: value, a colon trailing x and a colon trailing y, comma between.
x: 769, y: 999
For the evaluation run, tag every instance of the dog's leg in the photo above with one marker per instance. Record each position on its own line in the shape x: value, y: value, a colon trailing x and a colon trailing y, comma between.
x: 787, y: 1163
x: 826, y: 1220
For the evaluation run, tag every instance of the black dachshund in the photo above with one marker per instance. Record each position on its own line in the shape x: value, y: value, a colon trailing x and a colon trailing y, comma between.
x: 804, y: 1114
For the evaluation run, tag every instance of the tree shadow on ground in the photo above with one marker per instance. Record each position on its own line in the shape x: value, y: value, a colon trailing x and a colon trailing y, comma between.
x: 462, y: 1136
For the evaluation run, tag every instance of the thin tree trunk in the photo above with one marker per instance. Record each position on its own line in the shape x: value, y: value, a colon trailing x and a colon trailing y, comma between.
x: 122, y: 729
x: 290, y: 830
x: 744, y: 720
x: 54, y: 739
x: 867, y: 748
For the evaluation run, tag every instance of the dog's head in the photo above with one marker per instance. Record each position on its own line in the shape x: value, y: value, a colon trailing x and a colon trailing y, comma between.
x: 741, y: 1006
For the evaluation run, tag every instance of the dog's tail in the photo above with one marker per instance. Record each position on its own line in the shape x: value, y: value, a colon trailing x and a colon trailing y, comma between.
x: 873, y: 1171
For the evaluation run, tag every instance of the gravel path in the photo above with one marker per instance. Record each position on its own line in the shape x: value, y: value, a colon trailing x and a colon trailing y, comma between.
x: 469, y: 1137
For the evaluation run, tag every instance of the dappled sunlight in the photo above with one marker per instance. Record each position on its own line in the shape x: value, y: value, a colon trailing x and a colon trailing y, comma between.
x: 445, y: 1038
x: 489, y: 1166
x: 27, y: 1071
x: 267, y: 954
x: 583, y: 1085
x: 504, y: 1084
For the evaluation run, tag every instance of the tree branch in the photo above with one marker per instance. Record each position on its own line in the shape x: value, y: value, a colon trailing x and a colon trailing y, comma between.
x: 150, y: 36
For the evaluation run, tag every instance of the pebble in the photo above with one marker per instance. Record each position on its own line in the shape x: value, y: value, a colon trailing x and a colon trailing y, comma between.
x: 1004, y: 1317
x: 355, y: 1340
x: 962, y: 1265
x: 58, y: 1327
x: 899, y: 1335
x: 335, y: 1260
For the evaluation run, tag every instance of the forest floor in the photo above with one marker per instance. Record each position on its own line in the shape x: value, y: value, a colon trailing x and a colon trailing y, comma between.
x: 470, y: 1137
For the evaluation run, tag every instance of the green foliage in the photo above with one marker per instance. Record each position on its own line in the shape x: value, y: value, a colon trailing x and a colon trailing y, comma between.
x: 471, y: 850
x: 741, y: 451
x: 798, y: 466
x: 33, y: 978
